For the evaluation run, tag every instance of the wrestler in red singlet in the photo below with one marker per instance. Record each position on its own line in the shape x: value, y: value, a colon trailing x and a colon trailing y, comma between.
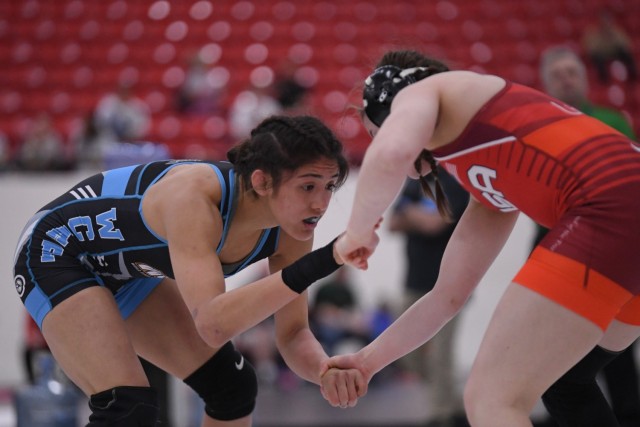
x: 548, y: 169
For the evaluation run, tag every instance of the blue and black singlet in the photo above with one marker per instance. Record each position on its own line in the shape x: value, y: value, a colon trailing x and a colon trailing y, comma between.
x: 95, y: 234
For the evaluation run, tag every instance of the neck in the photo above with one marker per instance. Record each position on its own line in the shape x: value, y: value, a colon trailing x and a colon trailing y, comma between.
x: 253, y: 213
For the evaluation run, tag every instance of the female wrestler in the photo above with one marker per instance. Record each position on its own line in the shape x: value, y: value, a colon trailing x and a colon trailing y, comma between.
x: 133, y: 262
x: 514, y: 149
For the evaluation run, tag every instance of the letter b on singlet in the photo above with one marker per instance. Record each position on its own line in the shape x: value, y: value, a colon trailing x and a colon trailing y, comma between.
x: 480, y: 177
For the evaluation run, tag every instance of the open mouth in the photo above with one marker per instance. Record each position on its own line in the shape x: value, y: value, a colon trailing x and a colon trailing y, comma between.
x: 311, y: 220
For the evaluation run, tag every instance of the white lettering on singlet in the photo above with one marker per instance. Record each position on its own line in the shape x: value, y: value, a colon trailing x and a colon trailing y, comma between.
x: 480, y: 177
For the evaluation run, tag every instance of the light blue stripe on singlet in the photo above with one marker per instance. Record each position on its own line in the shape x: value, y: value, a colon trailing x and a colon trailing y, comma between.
x: 232, y: 189
x: 255, y: 251
x: 115, y: 181
x: 131, y: 295
x: 222, y: 186
x: 38, y: 305
x: 223, y: 199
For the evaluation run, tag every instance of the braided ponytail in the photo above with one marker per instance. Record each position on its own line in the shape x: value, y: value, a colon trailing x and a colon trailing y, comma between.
x: 440, y: 198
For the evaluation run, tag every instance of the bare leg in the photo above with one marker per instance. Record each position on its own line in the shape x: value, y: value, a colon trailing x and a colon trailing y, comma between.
x: 89, y: 340
x: 530, y: 342
x: 163, y: 332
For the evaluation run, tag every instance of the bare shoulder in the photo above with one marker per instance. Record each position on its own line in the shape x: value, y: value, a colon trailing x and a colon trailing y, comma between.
x: 461, y: 94
x: 186, y: 181
x: 184, y: 190
x: 466, y: 84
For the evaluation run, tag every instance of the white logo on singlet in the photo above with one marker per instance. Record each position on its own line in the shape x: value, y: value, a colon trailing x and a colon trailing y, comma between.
x: 20, y: 284
x: 240, y: 364
x: 635, y: 147
x: 480, y: 177
x: 80, y: 193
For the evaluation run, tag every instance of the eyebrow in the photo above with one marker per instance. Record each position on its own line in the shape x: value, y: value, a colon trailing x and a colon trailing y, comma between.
x: 316, y: 175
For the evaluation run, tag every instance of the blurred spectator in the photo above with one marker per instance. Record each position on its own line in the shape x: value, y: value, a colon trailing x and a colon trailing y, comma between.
x: 198, y: 94
x: 5, y: 152
x: 605, y: 42
x: 336, y: 318
x: 249, y: 108
x: 564, y: 77
x: 42, y: 148
x: 122, y: 115
x: 427, y: 235
x: 33, y: 344
x: 91, y: 143
x: 289, y: 92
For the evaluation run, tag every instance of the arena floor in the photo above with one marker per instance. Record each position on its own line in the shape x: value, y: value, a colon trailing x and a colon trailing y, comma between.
x: 392, y: 404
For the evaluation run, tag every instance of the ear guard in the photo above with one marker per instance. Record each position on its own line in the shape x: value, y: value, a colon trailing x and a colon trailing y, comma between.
x: 383, y: 85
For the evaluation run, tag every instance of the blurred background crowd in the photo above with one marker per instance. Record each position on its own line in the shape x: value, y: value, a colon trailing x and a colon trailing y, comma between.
x: 77, y: 77
x: 100, y: 84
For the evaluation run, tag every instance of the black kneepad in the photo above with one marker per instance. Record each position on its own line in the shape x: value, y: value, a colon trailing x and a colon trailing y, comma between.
x: 227, y: 383
x: 124, y: 407
x: 576, y: 400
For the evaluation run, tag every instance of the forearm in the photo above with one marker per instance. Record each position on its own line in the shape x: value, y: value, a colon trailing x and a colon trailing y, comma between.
x: 238, y: 310
x: 412, y: 329
x: 303, y: 354
x: 463, y: 266
x: 233, y: 312
x: 378, y: 185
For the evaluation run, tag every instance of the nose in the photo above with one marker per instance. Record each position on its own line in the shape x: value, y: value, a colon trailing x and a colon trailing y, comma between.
x: 320, y: 203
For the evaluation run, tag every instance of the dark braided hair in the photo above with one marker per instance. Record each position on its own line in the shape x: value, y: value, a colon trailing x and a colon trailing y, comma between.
x: 286, y: 143
x: 405, y: 59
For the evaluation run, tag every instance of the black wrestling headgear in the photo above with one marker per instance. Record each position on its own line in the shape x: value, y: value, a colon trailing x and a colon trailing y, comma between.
x: 383, y: 85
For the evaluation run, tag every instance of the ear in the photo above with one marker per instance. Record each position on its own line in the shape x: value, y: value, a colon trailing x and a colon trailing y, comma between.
x: 261, y: 182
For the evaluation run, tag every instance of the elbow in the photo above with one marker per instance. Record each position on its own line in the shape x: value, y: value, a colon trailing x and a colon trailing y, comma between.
x: 388, y: 157
x: 455, y: 305
x: 212, y: 332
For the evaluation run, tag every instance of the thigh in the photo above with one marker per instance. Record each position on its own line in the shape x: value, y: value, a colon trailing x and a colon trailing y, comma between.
x: 88, y: 338
x: 163, y: 332
x: 530, y: 342
x: 619, y: 335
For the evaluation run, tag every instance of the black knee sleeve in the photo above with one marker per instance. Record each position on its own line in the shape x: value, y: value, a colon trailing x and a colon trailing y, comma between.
x: 576, y: 400
x: 227, y: 383
x: 124, y: 407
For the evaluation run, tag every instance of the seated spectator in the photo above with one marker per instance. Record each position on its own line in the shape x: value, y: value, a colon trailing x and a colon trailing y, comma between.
x: 249, y: 108
x: 288, y: 91
x: 42, y: 148
x: 5, y: 152
x: 198, y: 94
x: 606, y: 42
x: 122, y: 115
x: 90, y: 143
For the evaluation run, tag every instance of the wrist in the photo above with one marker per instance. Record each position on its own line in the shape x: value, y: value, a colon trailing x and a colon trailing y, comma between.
x: 310, y: 268
x: 365, y: 356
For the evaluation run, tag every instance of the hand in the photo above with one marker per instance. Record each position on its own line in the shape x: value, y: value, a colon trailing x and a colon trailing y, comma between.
x: 348, y: 361
x: 356, y: 252
x: 342, y: 387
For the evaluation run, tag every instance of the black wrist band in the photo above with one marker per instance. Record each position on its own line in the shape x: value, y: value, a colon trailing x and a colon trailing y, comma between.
x: 311, y: 267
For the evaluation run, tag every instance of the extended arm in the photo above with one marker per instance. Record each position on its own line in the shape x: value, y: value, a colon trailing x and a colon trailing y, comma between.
x: 476, y: 242
x: 386, y: 164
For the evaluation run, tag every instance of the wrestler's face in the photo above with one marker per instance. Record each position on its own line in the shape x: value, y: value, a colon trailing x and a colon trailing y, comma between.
x: 303, y: 196
x: 566, y: 80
